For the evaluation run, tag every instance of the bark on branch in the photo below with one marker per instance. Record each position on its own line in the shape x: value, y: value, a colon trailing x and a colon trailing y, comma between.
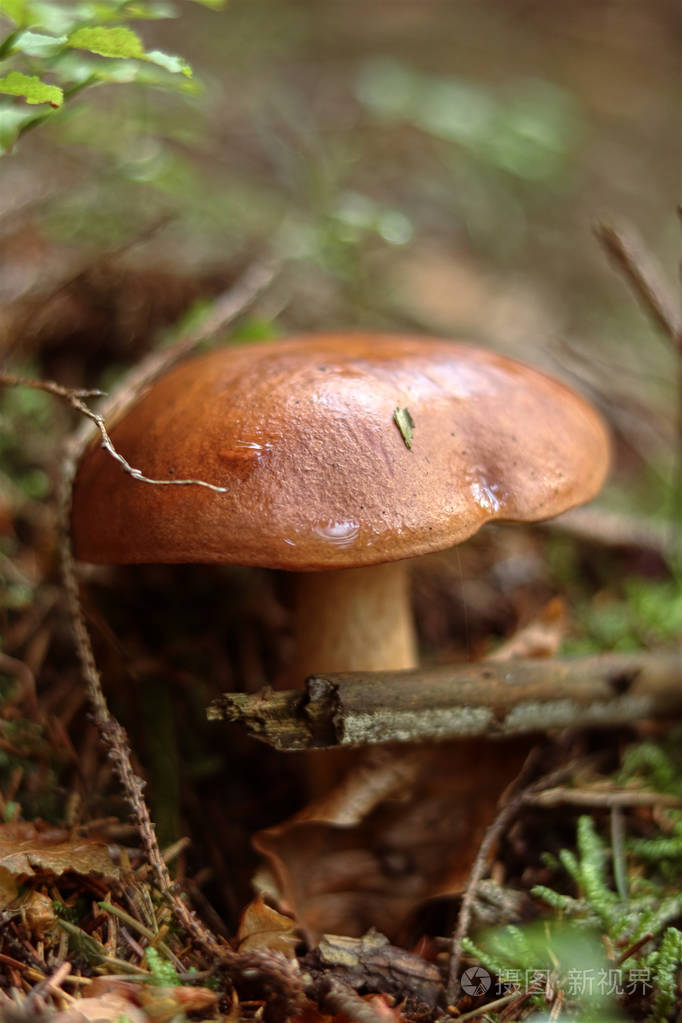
x: 492, y: 699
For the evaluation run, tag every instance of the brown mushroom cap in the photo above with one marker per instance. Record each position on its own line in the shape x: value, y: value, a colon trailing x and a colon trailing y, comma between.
x: 301, y: 433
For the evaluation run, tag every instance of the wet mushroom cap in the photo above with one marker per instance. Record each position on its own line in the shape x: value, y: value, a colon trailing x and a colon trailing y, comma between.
x: 318, y: 474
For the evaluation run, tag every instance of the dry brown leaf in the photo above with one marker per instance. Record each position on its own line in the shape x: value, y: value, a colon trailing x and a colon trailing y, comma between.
x: 400, y: 828
x: 380, y: 775
x: 106, y: 1008
x: 262, y: 927
x: 165, y: 1003
x: 25, y: 849
x: 540, y: 638
x: 8, y: 888
x: 38, y: 912
x: 347, y: 863
x: 150, y: 1001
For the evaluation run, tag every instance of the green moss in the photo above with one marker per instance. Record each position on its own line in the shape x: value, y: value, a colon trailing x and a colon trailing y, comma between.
x: 161, y: 970
x: 667, y: 962
x: 598, y: 914
x: 647, y: 613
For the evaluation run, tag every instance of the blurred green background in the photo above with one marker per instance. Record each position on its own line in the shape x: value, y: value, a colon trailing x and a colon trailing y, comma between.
x: 421, y: 164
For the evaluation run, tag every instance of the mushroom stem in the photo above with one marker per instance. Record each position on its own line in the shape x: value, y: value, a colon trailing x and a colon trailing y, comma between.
x: 356, y: 619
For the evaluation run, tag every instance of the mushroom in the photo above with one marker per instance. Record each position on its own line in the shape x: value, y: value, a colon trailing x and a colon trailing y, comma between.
x: 310, y: 437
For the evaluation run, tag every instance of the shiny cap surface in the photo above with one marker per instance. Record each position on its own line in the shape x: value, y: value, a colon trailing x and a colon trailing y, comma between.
x: 302, y: 434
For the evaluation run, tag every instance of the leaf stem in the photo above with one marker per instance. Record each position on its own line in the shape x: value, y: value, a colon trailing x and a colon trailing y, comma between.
x: 8, y: 42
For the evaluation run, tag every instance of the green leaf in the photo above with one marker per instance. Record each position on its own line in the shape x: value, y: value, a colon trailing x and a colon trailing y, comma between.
x: 123, y: 43
x: 57, y: 19
x: 405, y: 424
x: 16, y: 10
x: 38, y: 44
x: 77, y: 67
x: 134, y: 11
x: 31, y: 88
x: 13, y: 120
x: 171, y: 62
x: 108, y: 42
x: 176, y: 65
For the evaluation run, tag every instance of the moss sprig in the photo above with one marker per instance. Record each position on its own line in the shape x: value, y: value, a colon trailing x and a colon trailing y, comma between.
x: 666, y: 962
x: 642, y: 916
x: 162, y: 971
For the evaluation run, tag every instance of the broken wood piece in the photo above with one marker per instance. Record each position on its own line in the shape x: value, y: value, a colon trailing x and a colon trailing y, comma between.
x: 492, y: 699
x: 372, y: 964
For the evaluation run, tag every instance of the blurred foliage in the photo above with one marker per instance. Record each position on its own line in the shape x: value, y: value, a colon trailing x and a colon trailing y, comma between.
x: 529, y: 131
x: 26, y: 415
x: 646, y: 907
x: 571, y: 947
x: 659, y: 766
x: 573, y: 957
x: 628, y: 612
x: 605, y: 914
x: 53, y: 50
x: 254, y: 328
x: 648, y: 612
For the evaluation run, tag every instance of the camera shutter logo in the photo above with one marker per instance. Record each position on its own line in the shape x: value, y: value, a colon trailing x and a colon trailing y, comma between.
x: 475, y: 981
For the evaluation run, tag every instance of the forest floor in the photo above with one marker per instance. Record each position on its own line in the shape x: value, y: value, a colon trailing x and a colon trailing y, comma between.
x: 438, y: 171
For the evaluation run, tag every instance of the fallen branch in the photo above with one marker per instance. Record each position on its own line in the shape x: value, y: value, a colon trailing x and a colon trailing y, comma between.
x: 492, y: 699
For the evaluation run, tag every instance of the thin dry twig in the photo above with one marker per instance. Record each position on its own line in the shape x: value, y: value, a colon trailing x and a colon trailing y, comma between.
x: 633, y: 949
x: 557, y: 1007
x: 512, y: 1001
x: 48, y: 984
x: 634, y: 264
x: 600, y: 798
x: 517, y: 795
x: 74, y: 397
x: 506, y: 814
x: 483, y: 1010
x: 226, y: 309
x: 509, y: 1014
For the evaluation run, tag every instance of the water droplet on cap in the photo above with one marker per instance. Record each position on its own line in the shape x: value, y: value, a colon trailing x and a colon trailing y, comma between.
x: 340, y: 534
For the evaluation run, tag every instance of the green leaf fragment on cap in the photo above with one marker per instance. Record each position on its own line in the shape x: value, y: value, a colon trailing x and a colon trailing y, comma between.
x: 405, y: 424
